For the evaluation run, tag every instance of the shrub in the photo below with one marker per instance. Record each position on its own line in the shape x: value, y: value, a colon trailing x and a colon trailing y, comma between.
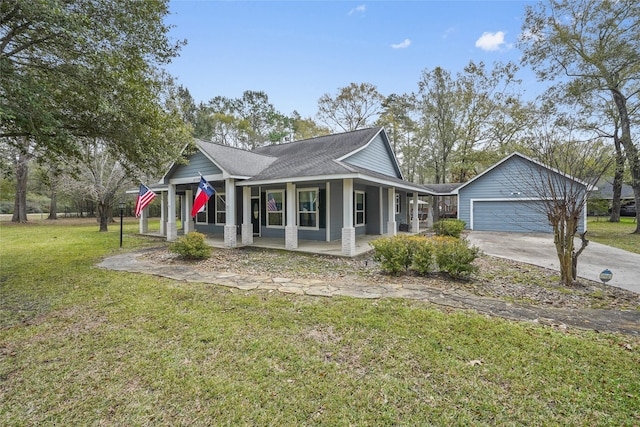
x: 394, y: 253
x: 449, y: 227
x: 455, y: 256
x: 423, y: 261
x: 191, y: 246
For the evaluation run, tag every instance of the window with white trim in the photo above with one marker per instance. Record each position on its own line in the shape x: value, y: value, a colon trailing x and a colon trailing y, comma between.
x: 202, y: 217
x: 397, y: 203
x: 221, y: 208
x: 275, y: 208
x: 308, y: 208
x: 359, y: 208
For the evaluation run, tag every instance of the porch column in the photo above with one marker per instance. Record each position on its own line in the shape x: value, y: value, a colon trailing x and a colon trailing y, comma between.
x: 172, y: 228
x: 348, y: 230
x: 327, y: 212
x: 415, y: 222
x: 187, y: 222
x: 291, y: 230
x: 391, y: 207
x: 144, y: 221
x: 163, y: 213
x: 247, y: 226
x: 230, y: 238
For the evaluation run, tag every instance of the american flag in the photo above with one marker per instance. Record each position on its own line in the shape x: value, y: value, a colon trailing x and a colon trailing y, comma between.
x: 145, y: 196
x: 271, y: 204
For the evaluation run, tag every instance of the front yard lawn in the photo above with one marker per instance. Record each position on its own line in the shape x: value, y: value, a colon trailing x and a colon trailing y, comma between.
x: 614, y: 234
x: 85, y: 346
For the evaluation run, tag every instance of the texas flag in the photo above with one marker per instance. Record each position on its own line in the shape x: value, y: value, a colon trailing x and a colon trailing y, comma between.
x: 202, y: 196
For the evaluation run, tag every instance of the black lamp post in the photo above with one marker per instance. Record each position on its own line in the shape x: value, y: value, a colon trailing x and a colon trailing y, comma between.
x: 121, y: 215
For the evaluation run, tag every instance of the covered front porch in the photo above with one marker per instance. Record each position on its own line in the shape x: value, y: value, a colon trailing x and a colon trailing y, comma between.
x: 238, y: 215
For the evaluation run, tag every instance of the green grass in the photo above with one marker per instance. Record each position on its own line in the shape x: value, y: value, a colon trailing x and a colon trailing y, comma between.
x: 85, y: 346
x: 618, y: 235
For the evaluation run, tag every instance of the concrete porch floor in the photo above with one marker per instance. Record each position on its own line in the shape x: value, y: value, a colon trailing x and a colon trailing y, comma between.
x: 306, y: 246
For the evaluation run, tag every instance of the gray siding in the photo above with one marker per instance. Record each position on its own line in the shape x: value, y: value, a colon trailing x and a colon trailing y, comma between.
x: 385, y: 210
x: 377, y: 157
x: 198, y: 163
x: 336, y: 210
x: 500, y: 198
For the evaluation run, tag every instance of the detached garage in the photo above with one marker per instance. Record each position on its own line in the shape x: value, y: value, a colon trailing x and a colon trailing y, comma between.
x: 510, y: 196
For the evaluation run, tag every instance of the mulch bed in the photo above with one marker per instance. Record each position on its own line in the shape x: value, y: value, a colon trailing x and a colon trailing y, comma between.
x: 497, y: 278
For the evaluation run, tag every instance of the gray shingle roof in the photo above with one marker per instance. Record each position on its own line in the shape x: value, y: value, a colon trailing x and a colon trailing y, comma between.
x: 315, y: 156
x: 605, y: 190
x: 236, y: 161
x: 447, y: 188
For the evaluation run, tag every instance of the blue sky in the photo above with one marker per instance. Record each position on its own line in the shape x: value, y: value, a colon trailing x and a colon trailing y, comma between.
x: 296, y: 51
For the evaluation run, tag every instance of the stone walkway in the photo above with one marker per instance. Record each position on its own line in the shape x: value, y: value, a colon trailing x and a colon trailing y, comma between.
x: 627, y: 322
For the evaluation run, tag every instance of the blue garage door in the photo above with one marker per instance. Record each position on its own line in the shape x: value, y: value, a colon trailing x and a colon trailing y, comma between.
x: 512, y: 216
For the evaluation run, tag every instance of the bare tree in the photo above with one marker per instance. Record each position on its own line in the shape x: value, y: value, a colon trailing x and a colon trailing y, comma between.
x: 564, y: 169
x: 355, y: 107
x: 100, y: 177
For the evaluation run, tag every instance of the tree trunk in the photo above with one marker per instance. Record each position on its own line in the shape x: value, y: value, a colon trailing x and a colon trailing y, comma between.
x: 617, y: 180
x: 22, y: 177
x: 629, y: 147
x: 103, y: 216
x: 574, y: 265
x: 53, y: 206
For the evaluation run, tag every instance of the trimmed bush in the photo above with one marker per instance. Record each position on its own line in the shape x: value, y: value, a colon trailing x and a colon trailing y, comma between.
x: 424, y: 255
x: 191, y: 246
x: 455, y: 256
x: 395, y: 254
x: 449, y: 227
x: 423, y: 261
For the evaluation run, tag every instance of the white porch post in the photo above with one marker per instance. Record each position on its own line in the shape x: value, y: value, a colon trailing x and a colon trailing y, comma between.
x: 247, y: 226
x: 187, y: 221
x: 291, y: 230
x: 415, y: 223
x: 172, y: 228
x: 348, y: 230
x: 230, y: 238
x: 391, y: 207
x: 144, y: 221
x: 327, y: 212
x: 163, y: 213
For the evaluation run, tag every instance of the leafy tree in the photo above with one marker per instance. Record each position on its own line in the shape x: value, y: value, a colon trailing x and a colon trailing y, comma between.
x: 438, y: 102
x: 465, y: 114
x: 247, y: 122
x: 354, y: 107
x: 595, y: 45
x: 399, y: 120
x: 306, y: 128
x: 75, y: 71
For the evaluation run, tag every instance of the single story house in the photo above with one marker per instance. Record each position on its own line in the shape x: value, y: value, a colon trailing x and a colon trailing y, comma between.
x: 342, y: 187
x: 330, y: 188
x: 510, y: 195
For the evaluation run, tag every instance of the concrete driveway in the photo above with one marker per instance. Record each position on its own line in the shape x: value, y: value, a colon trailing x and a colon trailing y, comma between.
x: 538, y: 249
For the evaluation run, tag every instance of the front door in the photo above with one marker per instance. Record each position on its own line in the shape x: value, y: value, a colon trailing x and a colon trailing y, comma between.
x: 255, y: 215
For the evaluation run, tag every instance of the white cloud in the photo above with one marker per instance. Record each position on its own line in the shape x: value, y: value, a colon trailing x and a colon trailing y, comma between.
x: 449, y: 31
x: 358, y: 9
x: 405, y: 44
x: 492, y: 41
